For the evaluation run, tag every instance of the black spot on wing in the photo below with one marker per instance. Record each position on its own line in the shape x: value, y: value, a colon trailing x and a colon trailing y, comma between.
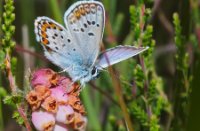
x: 85, y: 25
x: 82, y: 29
x: 55, y: 35
x: 91, y: 34
x: 89, y: 23
x: 93, y: 22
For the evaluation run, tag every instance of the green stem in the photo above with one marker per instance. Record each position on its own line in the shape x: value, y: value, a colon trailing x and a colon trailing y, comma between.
x: 56, y: 11
x: 122, y: 104
x: 92, y: 114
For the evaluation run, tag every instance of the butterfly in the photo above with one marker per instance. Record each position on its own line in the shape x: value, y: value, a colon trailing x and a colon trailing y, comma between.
x: 75, y: 47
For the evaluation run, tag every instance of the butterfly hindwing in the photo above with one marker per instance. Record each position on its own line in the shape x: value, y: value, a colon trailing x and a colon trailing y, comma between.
x: 57, y: 42
x: 85, y: 20
x: 117, y: 54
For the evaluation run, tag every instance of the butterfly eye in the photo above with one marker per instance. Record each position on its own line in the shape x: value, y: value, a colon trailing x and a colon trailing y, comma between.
x: 94, y: 71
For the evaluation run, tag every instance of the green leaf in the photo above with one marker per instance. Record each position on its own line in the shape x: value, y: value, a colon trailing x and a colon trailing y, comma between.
x: 13, y: 100
x: 18, y: 118
x: 2, y: 57
x: 3, y: 92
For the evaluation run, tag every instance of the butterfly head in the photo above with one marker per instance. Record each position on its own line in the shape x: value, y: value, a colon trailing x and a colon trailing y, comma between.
x: 91, y: 74
x: 94, y: 73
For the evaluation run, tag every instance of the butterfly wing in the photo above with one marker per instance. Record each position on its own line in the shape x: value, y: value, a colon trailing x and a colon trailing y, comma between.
x: 85, y: 20
x: 57, y: 42
x: 117, y: 54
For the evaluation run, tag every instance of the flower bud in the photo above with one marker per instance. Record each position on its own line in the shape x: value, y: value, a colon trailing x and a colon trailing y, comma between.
x: 43, y: 91
x: 60, y: 127
x: 65, y: 114
x: 50, y: 104
x: 45, y: 77
x: 76, y: 104
x: 65, y: 83
x: 80, y: 122
x: 33, y: 99
x: 59, y: 94
x: 43, y: 121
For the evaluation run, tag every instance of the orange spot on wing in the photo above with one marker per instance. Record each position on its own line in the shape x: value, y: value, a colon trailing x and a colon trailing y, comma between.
x: 45, y: 41
x: 77, y: 14
x: 44, y: 35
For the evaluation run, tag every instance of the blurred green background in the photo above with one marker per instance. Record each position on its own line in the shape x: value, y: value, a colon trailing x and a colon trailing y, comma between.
x: 164, y: 96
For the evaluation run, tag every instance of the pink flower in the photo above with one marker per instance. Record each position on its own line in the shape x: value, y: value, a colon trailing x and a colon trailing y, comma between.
x: 65, y: 114
x: 65, y: 83
x: 34, y: 99
x: 55, y: 102
x: 45, y: 77
x: 43, y: 121
x: 80, y: 122
x: 59, y: 94
x: 50, y: 104
x: 60, y: 127
x: 43, y: 91
x: 76, y: 104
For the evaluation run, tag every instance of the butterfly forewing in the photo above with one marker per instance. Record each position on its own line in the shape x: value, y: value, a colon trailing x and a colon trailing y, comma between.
x: 57, y: 42
x: 117, y: 54
x: 85, y: 20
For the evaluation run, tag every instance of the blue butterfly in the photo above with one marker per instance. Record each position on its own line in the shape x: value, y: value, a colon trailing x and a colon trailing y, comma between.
x: 75, y: 48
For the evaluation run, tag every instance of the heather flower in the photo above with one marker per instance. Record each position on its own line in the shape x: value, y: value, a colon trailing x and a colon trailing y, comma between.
x: 55, y: 108
x: 43, y: 121
x: 34, y: 99
x: 43, y: 91
x: 65, y: 83
x: 59, y: 94
x: 50, y: 104
x: 65, y: 114
x: 80, y: 122
x: 60, y: 127
x: 75, y: 102
x: 45, y: 77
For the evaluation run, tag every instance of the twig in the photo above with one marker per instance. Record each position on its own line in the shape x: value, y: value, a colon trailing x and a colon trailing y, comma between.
x: 9, y: 74
x: 122, y: 104
x: 23, y: 115
x: 20, y: 49
x: 13, y: 87
x: 111, y: 37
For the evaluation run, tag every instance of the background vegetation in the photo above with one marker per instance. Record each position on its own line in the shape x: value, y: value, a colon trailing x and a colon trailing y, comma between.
x: 158, y: 90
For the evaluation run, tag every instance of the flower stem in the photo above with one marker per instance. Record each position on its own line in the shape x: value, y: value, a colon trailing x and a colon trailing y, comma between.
x: 92, y: 114
x: 122, y: 104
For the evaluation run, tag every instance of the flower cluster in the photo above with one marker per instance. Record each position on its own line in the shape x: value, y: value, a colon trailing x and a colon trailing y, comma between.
x: 55, y: 103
